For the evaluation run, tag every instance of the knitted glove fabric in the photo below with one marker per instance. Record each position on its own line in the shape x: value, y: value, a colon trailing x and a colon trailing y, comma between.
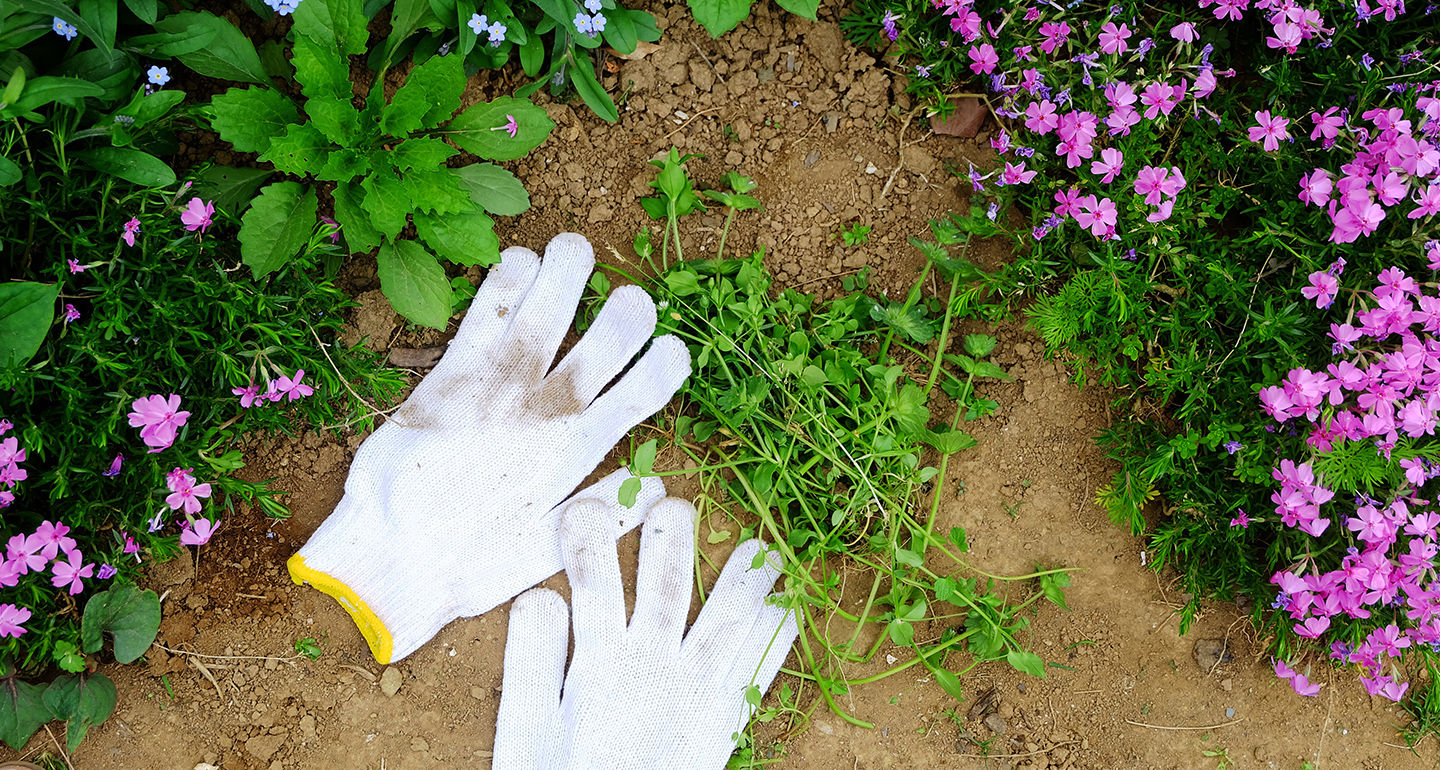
x: 453, y: 506
x: 637, y: 697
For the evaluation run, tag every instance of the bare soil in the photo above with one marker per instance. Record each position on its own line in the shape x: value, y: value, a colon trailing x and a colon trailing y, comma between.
x: 820, y: 125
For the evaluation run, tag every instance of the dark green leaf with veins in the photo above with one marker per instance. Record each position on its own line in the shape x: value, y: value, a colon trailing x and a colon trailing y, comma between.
x: 250, y: 118
x: 414, y: 283
x: 128, y: 614
x: 302, y: 150
x: 436, y: 190
x: 423, y: 153
x: 387, y: 201
x: 355, y: 225
x: 344, y: 165
x: 474, y: 129
x: 431, y: 94
x: 467, y: 238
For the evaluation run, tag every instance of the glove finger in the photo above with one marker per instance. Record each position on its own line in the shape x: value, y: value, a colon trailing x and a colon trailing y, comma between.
x: 623, y: 327
x: 642, y: 392
x: 544, y: 317
x: 764, y: 650
x: 662, y: 583
x: 738, y: 597
x: 498, y: 301
x: 587, y: 543
x: 534, y: 675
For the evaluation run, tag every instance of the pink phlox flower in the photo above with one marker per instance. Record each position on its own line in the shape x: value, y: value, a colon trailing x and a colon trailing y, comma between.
x: 1205, y: 84
x: 1173, y: 184
x: 1184, y: 32
x: 248, y: 395
x: 511, y: 127
x: 1312, y: 628
x: 1323, y: 288
x: 1393, y: 280
x: 1041, y: 117
x: 1161, y: 212
x: 294, y: 389
x: 10, y: 574
x: 197, y: 215
x: 1283, y: 670
x: 983, y: 58
x: 187, y: 496
x: 1275, y: 403
x: 1160, y: 98
x: 1371, y: 526
x: 1054, y: 34
x: 1388, y: 640
x: 10, y: 619
x: 1327, y: 124
x: 1069, y: 201
x: 50, y: 539
x: 1391, y: 188
x: 1122, y: 120
x: 24, y: 552
x: 1098, y: 216
x: 1241, y: 520
x: 1420, y: 558
x: 1353, y: 222
x: 1287, y: 36
x: 1075, y: 151
x: 1385, y: 687
x: 1120, y: 94
x: 1031, y: 80
x: 1014, y: 174
x: 1315, y: 187
x: 966, y: 23
x: 1113, y: 39
x: 1428, y: 202
x: 1422, y: 524
x: 1270, y: 131
x: 1110, y: 163
x: 1304, y: 686
x: 132, y: 229
x: 1148, y: 183
x: 1230, y: 9
x: 180, y: 478
x: 199, y: 534
x: 68, y: 573
x: 159, y: 419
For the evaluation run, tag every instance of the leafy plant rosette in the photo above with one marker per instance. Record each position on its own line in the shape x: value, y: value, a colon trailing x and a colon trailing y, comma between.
x: 133, y: 354
x: 386, y: 162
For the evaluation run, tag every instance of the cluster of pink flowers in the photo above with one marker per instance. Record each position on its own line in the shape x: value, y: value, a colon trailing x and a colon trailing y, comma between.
x: 1393, y: 387
x: 11, y: 455
x: 159, y: 420
x: 1291, y: 23
x: 49, y: 545
x: 278, y: 389
x: 1391, y: 165
x: 185, y: 497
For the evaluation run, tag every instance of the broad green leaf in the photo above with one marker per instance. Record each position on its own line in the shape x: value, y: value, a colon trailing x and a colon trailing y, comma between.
x: 949, y: 268
x: 102, y: 15
x: 272, y: 57
x: 1026, y: 663
x: 414, y: 282
x: 112, y: 71
x: 979, y: 345
x: 50, y: 8
x: 422, y: 152
x: 250, y: 118
x: 336, y: 118
x: 344, y: 165
x: 466, y: 238
x: 948, y: 442
x: 355, y: 225
x: 22, y: 710
x: 43, y: 90
x: 629, y: 491
x: 472, y: 129
x: 129, y: 164
x: 682, y: 283
x: 911, y: 558
x: 26, y: 312
x: 14, y: 86
x: 228, y: 56
x: 950, y: 684
x: 813, y: 376
x: 721, y: 16
x: 718, y: 536
x: 464, y: 10
x: 901, y: 633
x: 67, y: 656
x: 125, y: 612
x: 957, y: 536
x: 805, y: 8
x: 387, y: 201
x: 945, y: 589
x: 320, y: 71
x: 277, y: 226
x: 620, y: 31
x: 435, y: 190
x: 431, y: 94
x: 911, y: 413
x: 9, y: 172
x: 583, y: 77
x: 1054, y: 588
x: 645, y: 458
x: 145, y: 10
x: 340, y: 24
x: 230, y: 188
x: 532, y: 56
x: 302, y: 150
x: 145, y: 109
x: 645, y: 27
x: 81, y: 702
x: 407, y: 17
x: 908, y: 322
x: 493, y: 189
x: 163, y: 45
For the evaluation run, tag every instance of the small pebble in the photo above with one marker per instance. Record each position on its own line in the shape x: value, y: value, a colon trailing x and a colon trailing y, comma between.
x: 1229, y: 713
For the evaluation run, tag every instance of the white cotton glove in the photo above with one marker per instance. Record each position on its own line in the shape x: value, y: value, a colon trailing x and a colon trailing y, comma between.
x: 453, y: 506
x: 637, y: 697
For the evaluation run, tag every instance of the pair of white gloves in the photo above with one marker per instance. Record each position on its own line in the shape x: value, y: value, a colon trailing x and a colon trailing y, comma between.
x: 459, y: 502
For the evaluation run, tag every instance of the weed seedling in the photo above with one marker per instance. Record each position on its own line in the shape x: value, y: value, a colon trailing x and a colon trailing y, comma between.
x: 856, y: 235
x: 308, y: 647
x: 1223, y: 755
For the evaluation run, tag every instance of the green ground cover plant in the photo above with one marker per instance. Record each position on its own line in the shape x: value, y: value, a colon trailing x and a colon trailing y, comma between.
x: 1219, y: 166
x: 799, y: 416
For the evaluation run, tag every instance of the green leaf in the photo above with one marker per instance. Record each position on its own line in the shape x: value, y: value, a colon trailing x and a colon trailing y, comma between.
x: 355, y: 225
x: 250, y: 118
x: 907, y: 322
x: 945, y: 589
x: 67, y: 656
x: 129, y: 164
x: 230, y: 188
x: 911, y: 413
x: 51, y: 8
x: 467, y: 238
x: 14, y: 86
x: 980, y: 345
x: 339, y: 24
x: 436, y: 190
x: 344, y: 165
x: 682, y: 283
x: 228, y: 56
x: 813, y: 376
x: 629, y: 491
x: 277, y: 226
x: 43, y: 90
x: 145, y: 10
x: 431, y: 94
x: 406, y: 18
x: 718, y: 537
x: 22, y: 710
x: 1054, y: 588
x: 950, y: 684
x: 9, y: 172
x: 387, y: 202
x: 645, y: 458
x: 81, y: 702
x: 493, y: 189
x: 26, y: 312
x: 532, y: 56
x: 721, y: 16
x: 805, y: 8
x: 620, y: 31
x: 1026, y: 663
x: 414, y: 283
x: 336, y: 118
x: 583, y: 77
x: 302, y: 151
x: 472, y: 130
x: 102, y: 15
x: 909, y: 557
x: 127, y: 613
x: 320, y: 70
x: 422, y: 152
x: 901, y: 633
x: 957, y: 536
x: 163, y: 45
x: 949, y: 441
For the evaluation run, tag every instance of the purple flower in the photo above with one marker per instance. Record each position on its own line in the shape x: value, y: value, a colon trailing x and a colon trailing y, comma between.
x: 922, y: 70
x: 106, y: 572
x: 888, y: 22
x: 132, y: 228
x: 115, y: 466
x: 76, y: 267
x: 1241, y: 520
x: 159, y: 419
x: 197, y: 215
x: 1367, y: 62
x: 71, y: 314
x: 1233, y: 446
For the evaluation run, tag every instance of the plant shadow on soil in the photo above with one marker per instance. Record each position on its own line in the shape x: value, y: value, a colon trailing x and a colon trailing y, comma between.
x: 788, y: 102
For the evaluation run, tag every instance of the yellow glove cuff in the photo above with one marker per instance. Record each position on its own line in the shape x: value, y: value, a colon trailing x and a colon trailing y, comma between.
x: 382, y: 646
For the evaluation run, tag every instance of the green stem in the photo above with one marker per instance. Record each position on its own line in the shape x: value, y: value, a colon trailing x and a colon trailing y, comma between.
x: 944, y: 335
x: 724, y: 231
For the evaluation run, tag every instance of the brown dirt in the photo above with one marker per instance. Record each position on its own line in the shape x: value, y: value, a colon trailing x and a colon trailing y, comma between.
x: 788, y: 102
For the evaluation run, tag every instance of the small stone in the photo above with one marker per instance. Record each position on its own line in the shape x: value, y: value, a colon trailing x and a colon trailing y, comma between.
x: 1229, y: 713
x: 601, y: 213
x: 964, y: 121
x: 263, y: 747
x: 206, y: 766
x: 811, y: 159
x: 826, y: 728
x: 307, y: 728
x: 1007, y: 710
x: 477, y: 693
x: 1210, y: 653
x: 211, y: 758
x: 996, y: 723
x: 390, y: 681
x: 1226, y: 684
x: 832, y: 121
x: 419, y: 744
